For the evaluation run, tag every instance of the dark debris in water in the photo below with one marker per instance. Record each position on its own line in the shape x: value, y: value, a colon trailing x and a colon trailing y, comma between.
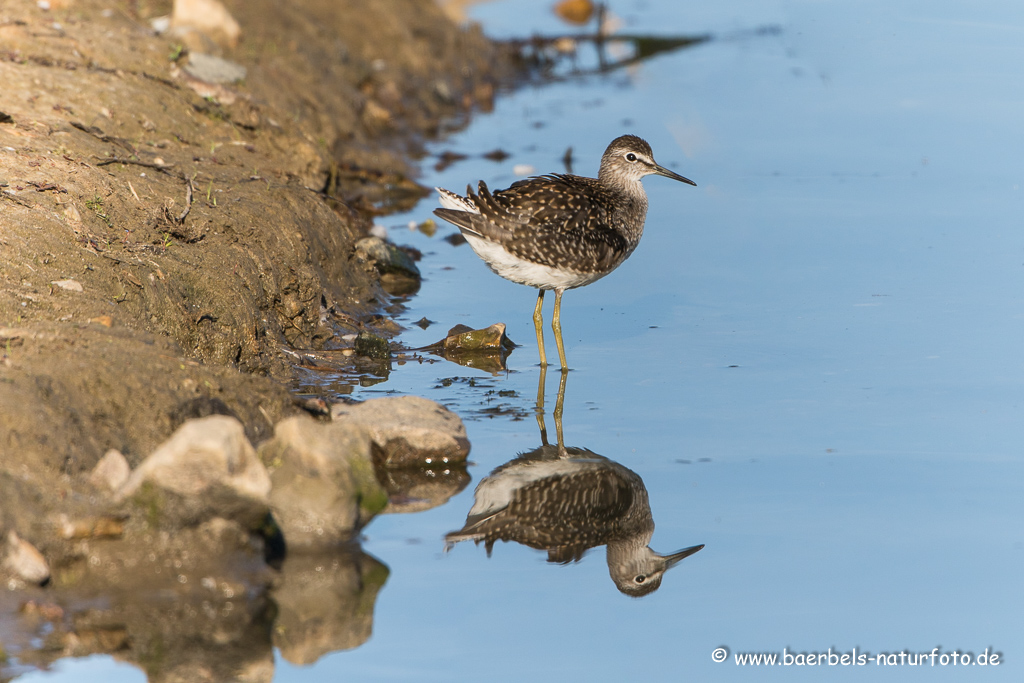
x: 446, y: 159
x: 484, y: 400
x: 497, y: 155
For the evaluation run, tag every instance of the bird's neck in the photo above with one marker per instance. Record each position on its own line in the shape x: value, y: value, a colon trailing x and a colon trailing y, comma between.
x: 631, y: 208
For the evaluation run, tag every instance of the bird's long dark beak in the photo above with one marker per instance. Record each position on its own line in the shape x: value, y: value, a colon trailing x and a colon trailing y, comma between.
x: 661, y: 170
x: 677, y: 557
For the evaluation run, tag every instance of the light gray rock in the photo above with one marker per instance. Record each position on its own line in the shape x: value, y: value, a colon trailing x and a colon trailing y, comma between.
x: 409, y: 431
x: 324, y: 488
x: 24, y: 561
x: 111, y: 472
x: 213, y: 69
x: 70, y: 285
x: 206, y: 469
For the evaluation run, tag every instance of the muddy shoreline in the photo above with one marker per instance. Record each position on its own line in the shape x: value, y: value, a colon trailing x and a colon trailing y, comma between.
x: 104, y: 142
x: 168, y: 245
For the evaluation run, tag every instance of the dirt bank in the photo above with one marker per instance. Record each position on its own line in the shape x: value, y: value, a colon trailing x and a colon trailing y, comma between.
x: 169, y: 246
x: 162, y: 240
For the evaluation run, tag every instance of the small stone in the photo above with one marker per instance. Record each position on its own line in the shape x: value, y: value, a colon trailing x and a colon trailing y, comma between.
x: 399, y: 274
x: 370, y: 345
x: 462, y: 338
x: 70, y: 285
x: 160, y: 24
x: 23, y: 560
x: 72, y: 215
x: 408, y: 430
x: 212, y: 69
x: 386, y: 258
x: 47, y: 611
x: 483, y: 349
x: 91, y: 527
x: 577, y: 12
x: 111, y: 472
x: 209, y: 17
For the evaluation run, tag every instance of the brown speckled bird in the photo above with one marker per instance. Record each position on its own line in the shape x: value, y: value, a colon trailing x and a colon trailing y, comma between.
x: 560, y: 231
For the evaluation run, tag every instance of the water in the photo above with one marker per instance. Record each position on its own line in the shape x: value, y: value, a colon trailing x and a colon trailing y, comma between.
x: 812, y: 360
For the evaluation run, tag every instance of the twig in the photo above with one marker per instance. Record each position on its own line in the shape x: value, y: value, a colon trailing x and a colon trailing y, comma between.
x: 103, y: 137
x: 106, y: 161
x: 188, y: 200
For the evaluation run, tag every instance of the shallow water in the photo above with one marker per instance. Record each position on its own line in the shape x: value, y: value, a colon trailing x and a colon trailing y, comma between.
x: 812, y: 360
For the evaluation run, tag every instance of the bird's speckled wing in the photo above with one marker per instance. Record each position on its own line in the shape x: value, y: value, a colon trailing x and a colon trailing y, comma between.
x: 555, y: 220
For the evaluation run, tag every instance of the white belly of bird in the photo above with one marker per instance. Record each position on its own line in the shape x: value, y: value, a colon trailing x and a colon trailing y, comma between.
x: 528, y: 273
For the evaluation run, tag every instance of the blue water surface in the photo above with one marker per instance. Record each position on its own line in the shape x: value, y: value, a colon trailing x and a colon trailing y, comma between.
x: 813, y: 358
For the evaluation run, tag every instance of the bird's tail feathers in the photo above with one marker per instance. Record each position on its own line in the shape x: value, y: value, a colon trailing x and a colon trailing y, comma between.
x: 450, y: 200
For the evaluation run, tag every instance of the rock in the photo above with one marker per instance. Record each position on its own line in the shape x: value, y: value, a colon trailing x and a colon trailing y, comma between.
x: 111, y: 472
x: 399, y: 273
x: 325, y: 603
x: 70, y: 285
x: 577, y: 12
x: 213, y: 69
x: 208, y: 17
x: 206, y: 469
x: 372, y: 346
x: 484, y: 349
x: 409, y: 431
x: 106, y: 526
x: 324, y: 488
x: 23, y: 560
x: 462, y: 338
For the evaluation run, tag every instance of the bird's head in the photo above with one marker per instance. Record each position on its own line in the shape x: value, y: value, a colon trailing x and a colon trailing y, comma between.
x: 638, y: 571
x: 629, y: 158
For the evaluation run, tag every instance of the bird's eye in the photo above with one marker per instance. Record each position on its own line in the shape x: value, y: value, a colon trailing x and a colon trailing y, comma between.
x: 631, y: 157
x: 640, y: 578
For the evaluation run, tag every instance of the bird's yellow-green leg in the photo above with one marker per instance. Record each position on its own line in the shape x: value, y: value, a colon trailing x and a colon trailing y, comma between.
x: 538, y: 324
x: 556, y: 325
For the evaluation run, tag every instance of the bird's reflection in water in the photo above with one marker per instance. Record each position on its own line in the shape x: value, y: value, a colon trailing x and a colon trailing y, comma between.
x: 566, y: 501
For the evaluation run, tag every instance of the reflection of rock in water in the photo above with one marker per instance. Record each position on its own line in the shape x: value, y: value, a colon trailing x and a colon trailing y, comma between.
x: 566, y: 501
x: 188, y: 606
x: 325, y: 603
